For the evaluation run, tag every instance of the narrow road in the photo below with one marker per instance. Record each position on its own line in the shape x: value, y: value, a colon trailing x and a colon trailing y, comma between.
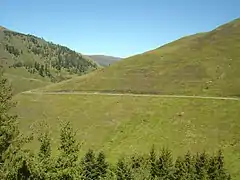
x: 128, y: 94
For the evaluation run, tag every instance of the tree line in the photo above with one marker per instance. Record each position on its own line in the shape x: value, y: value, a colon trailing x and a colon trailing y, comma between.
x: 18, y: 162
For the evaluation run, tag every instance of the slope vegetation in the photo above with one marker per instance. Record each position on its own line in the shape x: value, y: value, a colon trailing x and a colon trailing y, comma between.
x: 125, y: 125
x: 201, y: 64
x: 27, y: 56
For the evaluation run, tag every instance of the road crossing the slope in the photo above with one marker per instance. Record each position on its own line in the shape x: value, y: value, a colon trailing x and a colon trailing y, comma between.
x: 129, y: 94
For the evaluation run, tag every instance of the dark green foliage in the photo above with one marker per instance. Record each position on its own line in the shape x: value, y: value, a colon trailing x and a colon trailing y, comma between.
x: 13, y: 158
x: 123, y: 171
x: 202, y: 165
x: 216, y: 169
x: 23, y: 172
x: 13, y: 50
x: 44, y: 161
x: 41, y: 70
x: 153, y: 167
x: 66, y: 164
x: 101, y: 165
x: 89, y: 170
x: 189, y: 164
x: 94, y: 167
x: 164, y: 165
x: 8, y: 128
x: 20, y: 166
x: 137, y: 161
x: 180, y: 171
x: 45, y: 146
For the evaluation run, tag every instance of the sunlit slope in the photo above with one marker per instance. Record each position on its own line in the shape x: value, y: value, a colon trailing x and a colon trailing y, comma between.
x: 124, y: 125
x: 21, y: 80
x: 201, y: 64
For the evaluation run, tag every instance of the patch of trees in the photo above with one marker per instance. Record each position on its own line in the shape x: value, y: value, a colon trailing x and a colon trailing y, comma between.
x: 12, y: 33
x: 61, y: 57
x: 42, y: 69
x: 12, y: 50
x: 18, y: 162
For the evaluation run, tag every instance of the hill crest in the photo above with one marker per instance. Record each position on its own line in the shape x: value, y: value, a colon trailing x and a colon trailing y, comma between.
x: 201, y: 64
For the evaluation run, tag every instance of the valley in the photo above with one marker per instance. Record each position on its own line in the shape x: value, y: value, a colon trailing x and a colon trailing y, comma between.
x: 183, y: 95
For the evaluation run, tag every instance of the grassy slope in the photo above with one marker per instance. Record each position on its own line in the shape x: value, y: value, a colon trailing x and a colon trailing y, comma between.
x: 120, y: 125
x: 203, y: 64
x: 21, y: 80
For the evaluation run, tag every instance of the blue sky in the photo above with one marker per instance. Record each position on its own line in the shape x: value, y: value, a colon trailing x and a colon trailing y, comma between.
x: 115, y: 27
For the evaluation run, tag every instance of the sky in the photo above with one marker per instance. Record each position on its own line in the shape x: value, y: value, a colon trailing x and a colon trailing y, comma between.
x: 119, y: 28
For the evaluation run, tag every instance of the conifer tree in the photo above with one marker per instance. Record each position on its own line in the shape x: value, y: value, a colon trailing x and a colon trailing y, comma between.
x: 14, y: 160
x: 8, y: 127
x: 216, y: 169
x: 44, y: 162
x: 123, y: 172
x: 101, y: 165
x: 89, y: 170
x: 41, y: 71
x: 10, y: 143
x: 153, y: 167
x: 164, y: 165
x: 69, y: 148
x: 189, y: 162
x: 202, y: 165
x: 180, y: 170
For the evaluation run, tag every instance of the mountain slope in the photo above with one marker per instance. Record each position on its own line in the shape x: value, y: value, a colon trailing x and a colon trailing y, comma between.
x: 127, y: 124
x: 201, y: 64
x: 104, y: 60
x: 43, y: 61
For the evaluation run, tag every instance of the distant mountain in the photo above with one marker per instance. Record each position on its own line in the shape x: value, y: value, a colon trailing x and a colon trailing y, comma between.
x: 33, y: 59
x: 104, y: 60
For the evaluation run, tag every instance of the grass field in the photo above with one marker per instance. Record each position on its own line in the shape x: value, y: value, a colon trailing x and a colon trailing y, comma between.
x: 201, y: 64
x: 21, y: 80
x: 124, y: 125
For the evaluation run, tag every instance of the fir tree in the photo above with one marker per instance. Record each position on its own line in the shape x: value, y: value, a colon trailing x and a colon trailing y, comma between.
x: 44, y: 156
x: 164, y: 165
x: 89, y: 170
x: 190, y: 166
x: 202, y: 166
x: 216, y: 169
x: 69, y: 148
x: 8, y: 127
x: 123, y: 172
x: 41, y: 71
x: 101, y: 165
x: 180, y: 170
x: 152, y: 158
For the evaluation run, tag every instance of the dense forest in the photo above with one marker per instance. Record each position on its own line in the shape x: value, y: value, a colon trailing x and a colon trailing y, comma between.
x: 18, y: 162
x: 39, y: 56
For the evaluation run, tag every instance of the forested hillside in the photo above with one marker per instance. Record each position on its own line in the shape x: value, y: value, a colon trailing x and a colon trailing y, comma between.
x: 42, y: 60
